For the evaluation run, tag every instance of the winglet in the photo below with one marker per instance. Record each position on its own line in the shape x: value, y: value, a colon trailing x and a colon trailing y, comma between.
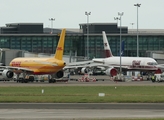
x: 108, y: 52
x: 60, y: 48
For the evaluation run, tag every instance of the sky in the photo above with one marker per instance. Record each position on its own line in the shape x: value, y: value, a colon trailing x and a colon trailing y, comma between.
x: 71, y: 13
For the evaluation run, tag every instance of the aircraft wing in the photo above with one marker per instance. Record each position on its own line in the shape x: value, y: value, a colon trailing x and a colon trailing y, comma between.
x: 75, y: 65
x: 161, y: 66
x: 98, y: 60
x: 16, y: 68
x: 80, y: 63
x: 72, y: 67
x: 85, y: 64
x: 93, y: 63
x: 82, y: 66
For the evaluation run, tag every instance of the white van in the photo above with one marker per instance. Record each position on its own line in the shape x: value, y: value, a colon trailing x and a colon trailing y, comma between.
x: 159, y: 77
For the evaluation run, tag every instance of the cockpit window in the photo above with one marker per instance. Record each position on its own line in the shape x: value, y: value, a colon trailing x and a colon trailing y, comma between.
x: 152, y: 63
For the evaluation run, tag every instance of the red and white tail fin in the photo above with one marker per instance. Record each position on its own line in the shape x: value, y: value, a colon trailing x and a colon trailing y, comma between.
x: 108, y: 52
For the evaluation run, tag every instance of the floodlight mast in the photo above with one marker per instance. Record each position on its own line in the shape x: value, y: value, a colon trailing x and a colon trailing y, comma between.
x: 120, y: 14
x: 52, y: 19
x: 87, y: 46
x: 137, y: 5
x: 119, y: 18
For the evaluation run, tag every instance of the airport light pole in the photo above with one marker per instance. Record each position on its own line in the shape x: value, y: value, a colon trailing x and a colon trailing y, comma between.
x: 116, y: 18
x: 132, y: 25
x: 87, y: 51
x: 120, y: 14
x: 159, y: 44
x: 137, y: 5
x: 52, y: 19
x: 1, y: 50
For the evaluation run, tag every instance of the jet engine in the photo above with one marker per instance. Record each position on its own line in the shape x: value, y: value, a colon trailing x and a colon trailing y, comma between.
x: 7, y: 74
x: 159, y: 71
x: 111, y: 72
x: 84, y: 70
x: 59, y: 74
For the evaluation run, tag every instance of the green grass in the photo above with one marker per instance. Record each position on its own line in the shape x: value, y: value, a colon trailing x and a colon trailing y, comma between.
x: 83, y: 94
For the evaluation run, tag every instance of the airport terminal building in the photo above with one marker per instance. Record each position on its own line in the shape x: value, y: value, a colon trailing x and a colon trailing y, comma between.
x: 33, y: 37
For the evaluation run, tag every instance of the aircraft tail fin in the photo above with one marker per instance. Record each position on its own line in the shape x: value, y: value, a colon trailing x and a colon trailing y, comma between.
x: 108, y: 52
x: 60, y: 48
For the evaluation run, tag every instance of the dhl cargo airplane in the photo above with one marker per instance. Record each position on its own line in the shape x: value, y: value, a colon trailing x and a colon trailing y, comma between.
x: 112, y: 63
x: 38, y: 66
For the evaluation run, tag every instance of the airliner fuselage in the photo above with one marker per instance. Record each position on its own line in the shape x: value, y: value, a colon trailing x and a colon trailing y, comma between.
x: 134, y: 63
x: 39, y: 65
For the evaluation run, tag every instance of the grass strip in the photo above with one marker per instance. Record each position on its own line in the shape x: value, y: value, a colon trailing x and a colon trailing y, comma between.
x: 83, y: 94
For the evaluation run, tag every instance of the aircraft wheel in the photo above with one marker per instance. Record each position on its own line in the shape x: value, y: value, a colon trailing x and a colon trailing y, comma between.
x: 54, y: 81
x: 31, y: 78
x: 26, y: 81
x: 153, y: 81
x: 50, y: 81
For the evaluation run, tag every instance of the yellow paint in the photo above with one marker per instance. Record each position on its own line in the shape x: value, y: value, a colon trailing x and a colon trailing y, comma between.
x: 43, y: 65
x: 60, y: 47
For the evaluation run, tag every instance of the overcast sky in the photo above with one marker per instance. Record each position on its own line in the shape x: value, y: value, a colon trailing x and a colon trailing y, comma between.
x: 70, y: 13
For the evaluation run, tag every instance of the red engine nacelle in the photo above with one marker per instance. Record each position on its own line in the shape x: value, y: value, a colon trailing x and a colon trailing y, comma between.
x: 111, y: 72
x: 159, y: 71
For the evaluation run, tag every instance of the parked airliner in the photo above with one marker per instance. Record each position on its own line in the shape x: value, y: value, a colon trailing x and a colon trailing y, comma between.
x: 127, y: 63
x: 38, y: 66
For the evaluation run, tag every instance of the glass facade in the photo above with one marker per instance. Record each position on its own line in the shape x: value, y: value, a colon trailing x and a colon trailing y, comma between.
x: 37, y: 44
x: 152, y: 43
x: 146, y: 43
x: 76, y: 43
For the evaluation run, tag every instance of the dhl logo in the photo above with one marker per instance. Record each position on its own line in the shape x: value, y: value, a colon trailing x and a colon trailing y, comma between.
x: 17, y: 63
x: 59, y: 48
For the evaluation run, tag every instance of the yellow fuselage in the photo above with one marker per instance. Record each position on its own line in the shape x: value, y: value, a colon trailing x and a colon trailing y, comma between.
x: 39, y: 65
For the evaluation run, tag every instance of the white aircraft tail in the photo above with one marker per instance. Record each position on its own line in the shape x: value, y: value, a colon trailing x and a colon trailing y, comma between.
x: 108, y: 52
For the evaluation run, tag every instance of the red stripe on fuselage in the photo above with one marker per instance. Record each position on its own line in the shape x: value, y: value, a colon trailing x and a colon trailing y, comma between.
x: 108, y: 53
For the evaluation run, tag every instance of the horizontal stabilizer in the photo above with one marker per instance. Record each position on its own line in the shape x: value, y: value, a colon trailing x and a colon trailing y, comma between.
x: 98, y: 60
